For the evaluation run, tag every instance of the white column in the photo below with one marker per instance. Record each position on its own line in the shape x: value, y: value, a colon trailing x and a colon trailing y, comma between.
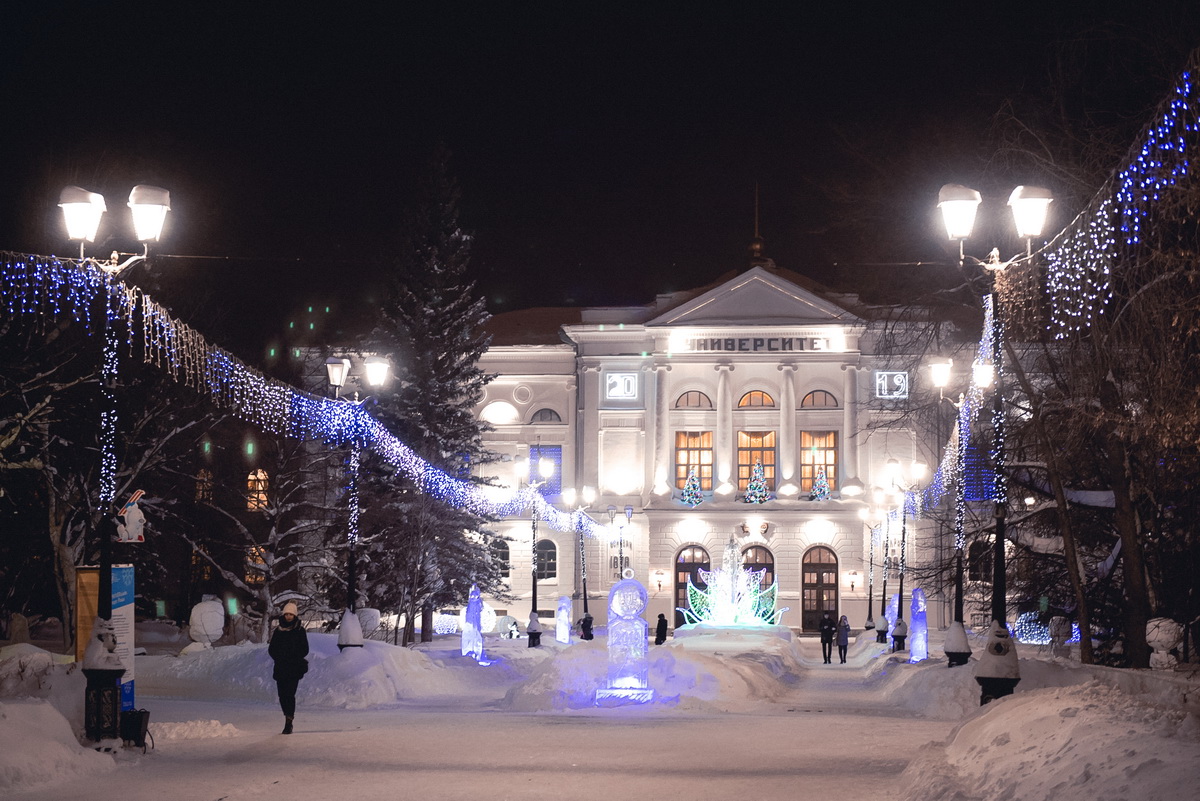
x: 724, y: 435
x: 849, y: 455
x: 787, y: 423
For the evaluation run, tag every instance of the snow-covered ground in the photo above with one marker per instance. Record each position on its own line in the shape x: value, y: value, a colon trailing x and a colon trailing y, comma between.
x: 733, y: 715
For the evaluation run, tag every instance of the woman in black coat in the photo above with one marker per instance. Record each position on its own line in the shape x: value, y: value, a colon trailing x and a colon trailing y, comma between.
x: 660, y: 630
x: 828, y: 628
x: 288, y: 647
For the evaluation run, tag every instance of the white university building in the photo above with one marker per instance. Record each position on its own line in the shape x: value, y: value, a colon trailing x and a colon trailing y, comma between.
x: 761, y: 367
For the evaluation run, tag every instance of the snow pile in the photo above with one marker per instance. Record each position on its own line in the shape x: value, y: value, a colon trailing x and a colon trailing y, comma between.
x: 37, y: 748
x: 27, y: 671
x: 192, y: 730
x: 1081, y: 742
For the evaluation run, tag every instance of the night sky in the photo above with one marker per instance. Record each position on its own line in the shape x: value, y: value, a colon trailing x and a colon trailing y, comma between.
x: 606, y: 152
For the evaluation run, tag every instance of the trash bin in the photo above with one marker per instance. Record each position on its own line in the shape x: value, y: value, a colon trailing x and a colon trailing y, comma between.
x: 134, y: 725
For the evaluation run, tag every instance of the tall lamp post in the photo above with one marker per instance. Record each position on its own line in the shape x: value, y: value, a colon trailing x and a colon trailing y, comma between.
x: 870, y: 518
x: 1029, y: 205
x: 82, y: 211
x: 337, y: 370
x: 545, y: 471
x: 586, y: 497
x: 916, y: 473
x: 956, y: 645
x: 885, y: 560
x: 612, y: 516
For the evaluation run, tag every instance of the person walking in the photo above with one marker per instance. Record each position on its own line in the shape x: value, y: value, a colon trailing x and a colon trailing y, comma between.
x: 660, y: 630
x: 288, y: 647
x: 585, y: 628
x: 843, y: 637
x: 828, y: 629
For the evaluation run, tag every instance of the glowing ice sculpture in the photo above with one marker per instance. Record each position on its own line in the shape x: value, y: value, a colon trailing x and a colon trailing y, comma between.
x: 918, y: 630
x: 628, y: 668
x: 472, y: 636
x: 890, y: 614
x: 734, y: 597
x: 562, y: 621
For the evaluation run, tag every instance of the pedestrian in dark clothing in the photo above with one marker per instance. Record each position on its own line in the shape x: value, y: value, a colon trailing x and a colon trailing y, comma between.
x: 534, y: 630
x: 288, y: 647
x: 585, y: 628
x: 828, y: 629
x: 660, y: 630
x: 843, y: 637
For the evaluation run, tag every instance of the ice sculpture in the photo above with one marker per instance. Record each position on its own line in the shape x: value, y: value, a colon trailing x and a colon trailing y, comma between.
x: 472, y: 635
x: 628, y: 668
x: 891, y: 613
x: 918, y: 630
x: 562, y: 621
x: 734, y: 597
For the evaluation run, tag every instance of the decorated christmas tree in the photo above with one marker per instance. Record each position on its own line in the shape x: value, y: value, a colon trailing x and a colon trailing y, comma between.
x: 820, y: 487
x: 691, y: 490
x: 756, y: 490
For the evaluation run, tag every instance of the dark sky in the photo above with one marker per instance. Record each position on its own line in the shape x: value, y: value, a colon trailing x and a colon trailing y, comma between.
x: 606, y: 151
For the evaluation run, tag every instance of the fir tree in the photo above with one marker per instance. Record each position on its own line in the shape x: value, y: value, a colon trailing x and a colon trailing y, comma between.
x: 820, y: 487
x: 691, y: 490
x: 756, y: 490
x: 420, y: 552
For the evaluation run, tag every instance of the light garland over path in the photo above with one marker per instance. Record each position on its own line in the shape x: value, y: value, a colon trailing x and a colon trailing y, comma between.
x: 49, y: 287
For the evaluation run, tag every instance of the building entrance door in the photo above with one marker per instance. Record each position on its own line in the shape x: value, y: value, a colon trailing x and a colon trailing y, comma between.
x: 820, y: 571
x: 691, y: 560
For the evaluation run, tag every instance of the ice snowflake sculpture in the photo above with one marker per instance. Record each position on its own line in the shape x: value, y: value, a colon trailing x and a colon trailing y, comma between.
x: 734, y: 595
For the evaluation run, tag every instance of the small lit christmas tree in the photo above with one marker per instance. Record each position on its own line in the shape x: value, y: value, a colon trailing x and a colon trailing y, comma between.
x: 756, y: 490
x: 691, y: 490
x: 820, y: 487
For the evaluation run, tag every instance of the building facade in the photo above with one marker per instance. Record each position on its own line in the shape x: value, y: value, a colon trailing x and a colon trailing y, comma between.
x: 761, y: 381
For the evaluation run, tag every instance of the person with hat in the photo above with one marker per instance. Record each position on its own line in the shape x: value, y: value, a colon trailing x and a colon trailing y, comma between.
x: 288, y: 647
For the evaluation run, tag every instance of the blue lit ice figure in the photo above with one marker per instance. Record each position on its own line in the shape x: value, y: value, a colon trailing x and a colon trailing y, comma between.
x: 562, y: 621
x: 628, y: 667
x: 472, y: 634
x: 918, y: 631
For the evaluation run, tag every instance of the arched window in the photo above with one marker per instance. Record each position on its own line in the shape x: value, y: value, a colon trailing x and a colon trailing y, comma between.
x: 756, y: 399
x: 756, y: 557
x: 688, y: 564
x: 545, y: 416
x: 693, y: 399
x: 547, y: 560
x: 819, y: 399
x: 500, y: 555
x: 979, y: 562
x: 257, y: 484
x: 204, y: 486
x: 500, y: 413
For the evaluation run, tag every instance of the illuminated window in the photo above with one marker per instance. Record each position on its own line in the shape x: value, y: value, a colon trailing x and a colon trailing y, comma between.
x: 545, y: 416
x: 819, y: 399
x: 818, y: 450
x: 756, y: 399
x: 501, y: 556
x: 694, y: 451
x: 256, y: 490
x: 693, y: 400
x: 202, y: 569
x: 204, y: 486
x: 256, y: 565
x: 756, y: 446
x: 758, y: 558
x: 547, y: 560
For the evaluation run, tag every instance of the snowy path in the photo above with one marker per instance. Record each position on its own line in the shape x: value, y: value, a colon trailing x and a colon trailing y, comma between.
x: 831, y: 735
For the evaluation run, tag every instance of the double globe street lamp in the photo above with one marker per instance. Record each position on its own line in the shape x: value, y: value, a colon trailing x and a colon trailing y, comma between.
x: 337, y: 369
x: 586, y: 497
x: 1030, y: 205
x: 545, y: 473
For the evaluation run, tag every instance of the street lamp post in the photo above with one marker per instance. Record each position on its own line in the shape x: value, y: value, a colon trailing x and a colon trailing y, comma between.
x: 881, y: 629
x: 545, y: 471
x: 338, y: 370
x: 870, y: 519
x: 585, y: 497
x: 1029, y: 205
x: 82, y: 211
x: 612, y: 516
x: 956, y: 645
x: 916, y: 472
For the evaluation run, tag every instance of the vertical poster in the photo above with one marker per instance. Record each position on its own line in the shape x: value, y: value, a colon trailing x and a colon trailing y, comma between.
x: 87, y: 587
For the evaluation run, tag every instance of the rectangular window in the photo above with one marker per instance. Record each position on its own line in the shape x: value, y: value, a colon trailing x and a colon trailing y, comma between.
x: 256, y: 565
x: 553, y: 484
x: 756, y: 446
x: 818, y: 451
x: 694, y: 451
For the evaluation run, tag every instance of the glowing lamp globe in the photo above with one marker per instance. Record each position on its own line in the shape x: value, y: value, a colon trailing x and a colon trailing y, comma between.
x: 149, y: 205
x: 82, y: 211
x: 958, y: 205
x: 1030, y: 206
x: 337, y: 370
x: 377, y: 369
x: 939, y: 373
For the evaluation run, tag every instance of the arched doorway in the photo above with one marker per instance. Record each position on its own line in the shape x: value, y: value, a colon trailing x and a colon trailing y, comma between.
x: 819, y: 569
x: 690, y: 561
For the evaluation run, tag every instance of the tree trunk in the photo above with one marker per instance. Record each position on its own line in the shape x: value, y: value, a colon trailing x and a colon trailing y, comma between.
x: 1137, y: 595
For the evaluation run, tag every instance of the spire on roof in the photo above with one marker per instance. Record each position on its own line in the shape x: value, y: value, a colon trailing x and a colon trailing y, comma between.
x: 757, y: 259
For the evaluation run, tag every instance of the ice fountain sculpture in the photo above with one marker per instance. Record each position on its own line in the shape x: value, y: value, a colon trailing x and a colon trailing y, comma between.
x: 562, y: 621
x: 472, y: 634
x: 734, y: 595
x: 628, y: 667
x: 918, y: 632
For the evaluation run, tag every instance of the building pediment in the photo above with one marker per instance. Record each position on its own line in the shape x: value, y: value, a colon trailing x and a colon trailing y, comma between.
x: 756, y: 297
